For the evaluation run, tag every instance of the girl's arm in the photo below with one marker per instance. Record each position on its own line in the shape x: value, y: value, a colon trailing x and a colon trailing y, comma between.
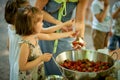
x: 23, y: 60
x: 57, y: 27
x: 54, y: 36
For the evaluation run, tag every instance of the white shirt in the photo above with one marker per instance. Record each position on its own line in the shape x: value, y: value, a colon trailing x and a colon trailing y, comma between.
x: 104, y: 26
x: 13, y: 52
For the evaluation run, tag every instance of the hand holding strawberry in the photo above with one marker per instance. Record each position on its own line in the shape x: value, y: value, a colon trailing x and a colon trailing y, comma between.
x: 78, y: 43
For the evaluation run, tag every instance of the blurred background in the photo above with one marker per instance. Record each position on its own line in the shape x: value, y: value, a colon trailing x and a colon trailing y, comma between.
x: 4, y: 65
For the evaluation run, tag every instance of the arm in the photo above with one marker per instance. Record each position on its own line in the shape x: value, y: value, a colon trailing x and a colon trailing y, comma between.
x: 115, y: 14
x: 54, y: 36
x: 57, y: 27
x: 47, y: 17
x: 40, y: 4
x: 80, y: 16
x: 101, y: 16
x: 23, y: 63
x: 51, y: 29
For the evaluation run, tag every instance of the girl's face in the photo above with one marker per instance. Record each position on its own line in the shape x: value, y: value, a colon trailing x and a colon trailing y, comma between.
x: 39, y: 25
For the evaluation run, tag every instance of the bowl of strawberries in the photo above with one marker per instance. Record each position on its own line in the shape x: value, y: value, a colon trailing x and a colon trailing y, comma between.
x: 84, y: 64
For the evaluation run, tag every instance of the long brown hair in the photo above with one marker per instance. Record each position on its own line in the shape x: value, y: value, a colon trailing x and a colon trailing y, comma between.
x: 11, y: 8
x: 26, y: 20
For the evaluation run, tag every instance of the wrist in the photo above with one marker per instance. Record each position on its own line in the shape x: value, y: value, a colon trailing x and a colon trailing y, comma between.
x: 41, y: 58
x: 58, y: 22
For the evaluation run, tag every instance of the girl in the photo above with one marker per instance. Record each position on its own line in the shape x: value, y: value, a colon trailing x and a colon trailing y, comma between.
x: 10, y: 15
x: 29, y: 26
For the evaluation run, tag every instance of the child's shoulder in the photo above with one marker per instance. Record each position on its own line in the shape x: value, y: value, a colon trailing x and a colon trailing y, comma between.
x: 28, y: 40
x: 10, y: 26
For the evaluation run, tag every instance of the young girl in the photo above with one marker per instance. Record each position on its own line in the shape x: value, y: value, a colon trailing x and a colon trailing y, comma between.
x: 10, y: 15
x: 29, y: 26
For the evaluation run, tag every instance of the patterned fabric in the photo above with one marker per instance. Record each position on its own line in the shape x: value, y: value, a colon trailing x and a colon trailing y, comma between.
x: 38, y: 71
x: 116, y: 22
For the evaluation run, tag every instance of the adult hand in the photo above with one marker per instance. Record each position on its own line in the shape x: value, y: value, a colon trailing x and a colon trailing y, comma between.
x: 80, y: 27
x: 78, y: 44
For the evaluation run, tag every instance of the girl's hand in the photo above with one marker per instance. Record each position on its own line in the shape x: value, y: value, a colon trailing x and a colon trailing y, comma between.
x: 72, y: 34
x: 68, y: 25
x: 46, y: 57
x: 76, y: 33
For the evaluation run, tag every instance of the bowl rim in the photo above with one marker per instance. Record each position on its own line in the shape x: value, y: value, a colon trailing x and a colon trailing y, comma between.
x: 53, y: 76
